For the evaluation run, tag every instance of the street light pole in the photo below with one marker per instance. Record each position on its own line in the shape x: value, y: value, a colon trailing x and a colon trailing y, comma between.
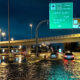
x: 0, y: 34
x: 31, y: 30
x: 36, y: 35
x: 8, y: 27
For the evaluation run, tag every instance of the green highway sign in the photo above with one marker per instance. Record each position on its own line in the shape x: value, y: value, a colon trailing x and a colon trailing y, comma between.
x: 61, y: 15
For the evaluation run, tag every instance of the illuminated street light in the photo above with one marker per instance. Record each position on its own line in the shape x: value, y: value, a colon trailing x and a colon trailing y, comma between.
x: 12, y: 39
x: 3, y: 34
x: 31, y: 29
x: 31, y: 25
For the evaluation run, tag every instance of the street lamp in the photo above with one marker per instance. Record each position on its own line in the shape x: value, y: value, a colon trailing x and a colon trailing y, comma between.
x: 31, y: 29
x: 3, y: 34
x: 36, y: 35
x: 12, y: 39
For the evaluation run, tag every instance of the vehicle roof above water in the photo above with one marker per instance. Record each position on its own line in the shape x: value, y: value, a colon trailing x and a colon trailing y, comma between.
x: 68, y: 54
x: 53, y: 53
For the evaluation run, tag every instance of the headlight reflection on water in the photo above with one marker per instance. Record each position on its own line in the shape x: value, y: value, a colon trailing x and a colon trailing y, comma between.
x: 3, y: 70
x: 20, y: 59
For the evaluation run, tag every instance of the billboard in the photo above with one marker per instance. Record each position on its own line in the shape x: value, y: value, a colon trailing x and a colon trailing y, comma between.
x: 61, y: 15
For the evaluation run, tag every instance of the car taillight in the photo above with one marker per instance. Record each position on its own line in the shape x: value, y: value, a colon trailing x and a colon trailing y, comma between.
x: 65, y: 56
x: 72, y: 55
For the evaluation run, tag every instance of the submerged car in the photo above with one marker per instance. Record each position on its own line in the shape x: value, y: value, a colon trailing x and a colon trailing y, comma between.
x: 53, y: 55
x: 69, y: 56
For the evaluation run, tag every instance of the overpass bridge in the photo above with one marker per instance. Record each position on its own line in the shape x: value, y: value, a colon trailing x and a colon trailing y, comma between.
x: 57, y: 39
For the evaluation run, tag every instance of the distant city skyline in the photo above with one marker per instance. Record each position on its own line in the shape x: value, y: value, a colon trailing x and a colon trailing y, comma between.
x: 26, y: 12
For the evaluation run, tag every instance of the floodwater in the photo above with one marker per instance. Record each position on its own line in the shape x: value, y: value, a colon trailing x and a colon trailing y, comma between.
x: 21, y: 69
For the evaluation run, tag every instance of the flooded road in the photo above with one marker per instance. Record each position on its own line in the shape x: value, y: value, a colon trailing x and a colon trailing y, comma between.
x: 43, y: 70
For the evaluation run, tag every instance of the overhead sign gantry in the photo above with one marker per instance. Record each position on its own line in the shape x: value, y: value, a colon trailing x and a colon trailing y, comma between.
x: 61, y: 15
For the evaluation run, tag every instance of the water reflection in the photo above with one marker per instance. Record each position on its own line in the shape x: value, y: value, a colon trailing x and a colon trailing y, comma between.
x: 20, y: 69
x: 20, y: 59
x: 17, y: 71
x: 3, y: 70
x: 13, y: 68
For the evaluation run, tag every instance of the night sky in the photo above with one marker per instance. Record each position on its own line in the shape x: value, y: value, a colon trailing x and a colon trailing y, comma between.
x: 24, y: 12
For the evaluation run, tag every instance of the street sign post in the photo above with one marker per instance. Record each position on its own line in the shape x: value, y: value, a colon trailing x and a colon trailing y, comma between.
x: 61, y: 15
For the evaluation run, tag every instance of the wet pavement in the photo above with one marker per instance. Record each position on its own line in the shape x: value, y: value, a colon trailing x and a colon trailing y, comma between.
x: 42, y: 70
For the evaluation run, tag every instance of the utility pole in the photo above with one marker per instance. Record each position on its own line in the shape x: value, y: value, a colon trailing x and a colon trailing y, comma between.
x: 9, y: 25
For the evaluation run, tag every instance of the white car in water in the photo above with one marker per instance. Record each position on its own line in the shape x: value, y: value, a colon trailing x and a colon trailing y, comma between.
x: 69, y: 56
